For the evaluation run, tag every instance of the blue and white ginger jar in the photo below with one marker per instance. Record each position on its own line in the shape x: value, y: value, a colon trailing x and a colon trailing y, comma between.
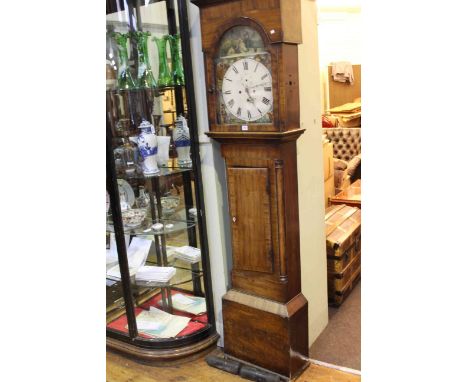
x: 148, y: 147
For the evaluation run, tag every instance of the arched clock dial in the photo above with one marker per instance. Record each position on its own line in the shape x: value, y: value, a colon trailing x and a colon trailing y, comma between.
x: 247, y: 90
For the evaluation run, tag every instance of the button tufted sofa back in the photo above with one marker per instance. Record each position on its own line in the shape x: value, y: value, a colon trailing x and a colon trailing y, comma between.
x: 346, y: 141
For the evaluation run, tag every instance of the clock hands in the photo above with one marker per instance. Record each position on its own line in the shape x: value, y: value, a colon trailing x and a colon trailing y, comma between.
x: 250, y: 99
x: 262, y: 84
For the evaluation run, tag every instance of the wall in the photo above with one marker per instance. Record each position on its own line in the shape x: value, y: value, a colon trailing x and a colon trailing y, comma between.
x: 310, y: 177
x: 339, y: 37
x: 214, y: 181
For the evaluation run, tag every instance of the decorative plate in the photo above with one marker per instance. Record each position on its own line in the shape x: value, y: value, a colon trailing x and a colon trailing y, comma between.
x: 127, y: 190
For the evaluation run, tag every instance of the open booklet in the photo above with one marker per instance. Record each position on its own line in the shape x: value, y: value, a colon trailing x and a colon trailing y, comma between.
x: 157, y: 323
x: 189, y: 304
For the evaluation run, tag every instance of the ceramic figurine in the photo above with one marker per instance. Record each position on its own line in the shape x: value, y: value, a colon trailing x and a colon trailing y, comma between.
x: 181, y: 137
x: 148, y: 146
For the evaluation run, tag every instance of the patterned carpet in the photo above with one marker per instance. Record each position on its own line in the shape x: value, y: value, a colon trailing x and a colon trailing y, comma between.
x: 340, y: 342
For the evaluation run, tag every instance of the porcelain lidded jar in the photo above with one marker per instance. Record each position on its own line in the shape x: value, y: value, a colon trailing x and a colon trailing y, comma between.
x: 181, y: 137
x: 148, y: 147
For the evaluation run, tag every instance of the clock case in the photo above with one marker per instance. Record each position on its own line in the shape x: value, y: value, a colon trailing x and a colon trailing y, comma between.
x: 265, y: 315
x: 280, y: 36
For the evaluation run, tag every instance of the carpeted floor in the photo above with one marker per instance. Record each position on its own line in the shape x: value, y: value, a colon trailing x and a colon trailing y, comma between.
x: 340, y: 342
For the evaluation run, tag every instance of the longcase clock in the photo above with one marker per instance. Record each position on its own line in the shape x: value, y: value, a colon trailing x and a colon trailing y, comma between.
x: 251, y: 65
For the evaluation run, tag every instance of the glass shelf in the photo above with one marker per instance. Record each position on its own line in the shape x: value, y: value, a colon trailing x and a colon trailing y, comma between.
x: 163, y: 171
x: 159, y: 89
x: 182, y: 276
x: 146, y: 230
x: 177, y: 263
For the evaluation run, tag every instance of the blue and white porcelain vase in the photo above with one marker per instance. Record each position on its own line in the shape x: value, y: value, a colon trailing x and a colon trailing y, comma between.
x: 181, y: 137
x: 148, y: 147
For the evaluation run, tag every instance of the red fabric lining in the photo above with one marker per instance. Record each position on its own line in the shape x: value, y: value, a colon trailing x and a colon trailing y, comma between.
x: 195, y: 324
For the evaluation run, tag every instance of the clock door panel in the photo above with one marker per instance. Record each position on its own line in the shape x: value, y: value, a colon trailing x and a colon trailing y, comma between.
x: 249, y: 200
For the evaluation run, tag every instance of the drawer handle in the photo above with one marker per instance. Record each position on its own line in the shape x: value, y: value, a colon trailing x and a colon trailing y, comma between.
x: 234, y: 219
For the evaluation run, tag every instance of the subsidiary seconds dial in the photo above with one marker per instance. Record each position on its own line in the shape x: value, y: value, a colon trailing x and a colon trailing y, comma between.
x: 247, y: 90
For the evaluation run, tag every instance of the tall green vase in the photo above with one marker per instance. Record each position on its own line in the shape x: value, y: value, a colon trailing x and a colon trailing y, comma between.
x: 124, y: 80
x: 164, y: 78
x: 145, y: 74
x: 178, y: 77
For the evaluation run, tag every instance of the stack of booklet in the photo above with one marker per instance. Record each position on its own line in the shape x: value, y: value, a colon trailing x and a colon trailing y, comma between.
x: 155, y: 274
x: 137, y: 253
x: 190, y: 304
x: 187, y: 253
x: 157, y: 323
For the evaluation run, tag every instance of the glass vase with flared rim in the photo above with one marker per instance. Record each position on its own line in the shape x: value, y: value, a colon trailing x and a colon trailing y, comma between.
x: 177, y: 67
x: 164, y: 77
x: 124, y: 78
x: 145, y: 74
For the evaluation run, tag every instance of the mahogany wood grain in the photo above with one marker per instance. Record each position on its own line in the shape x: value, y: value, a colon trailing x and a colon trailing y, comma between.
x: 280, y: 35
x: 275, y: 285
x: 254, y: 332
x: 249, y: 194
x: 282, y: 16
x: 265, y: 316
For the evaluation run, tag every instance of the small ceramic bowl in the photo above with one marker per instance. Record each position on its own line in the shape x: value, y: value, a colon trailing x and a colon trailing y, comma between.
x: 134, y: 217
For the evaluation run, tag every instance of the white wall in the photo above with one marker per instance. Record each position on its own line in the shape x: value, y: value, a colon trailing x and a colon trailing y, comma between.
x: 339, y: 37
x: 310, y: 177
x: 213, y: 175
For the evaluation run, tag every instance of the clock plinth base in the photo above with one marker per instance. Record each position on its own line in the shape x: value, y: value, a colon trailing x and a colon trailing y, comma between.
x: 266, y: 333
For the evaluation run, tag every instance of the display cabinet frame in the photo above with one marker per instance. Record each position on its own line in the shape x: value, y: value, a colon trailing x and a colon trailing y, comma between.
x: 176, y: 347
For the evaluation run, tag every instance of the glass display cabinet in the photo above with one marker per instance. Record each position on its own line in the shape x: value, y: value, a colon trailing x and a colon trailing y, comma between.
x: 159, y: 302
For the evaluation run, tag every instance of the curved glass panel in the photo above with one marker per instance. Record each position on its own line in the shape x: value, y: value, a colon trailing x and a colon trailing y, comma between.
x: 152, y: 153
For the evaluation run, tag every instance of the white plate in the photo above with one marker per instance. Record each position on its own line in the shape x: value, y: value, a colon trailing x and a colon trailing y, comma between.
x: 127, y: 190
x: 107, y: 202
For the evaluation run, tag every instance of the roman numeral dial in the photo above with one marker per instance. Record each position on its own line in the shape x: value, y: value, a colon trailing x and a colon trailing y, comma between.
x: 247, y: 90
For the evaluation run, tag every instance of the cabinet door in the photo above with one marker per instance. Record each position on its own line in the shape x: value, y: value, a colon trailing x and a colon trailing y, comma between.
x: 249, y: 200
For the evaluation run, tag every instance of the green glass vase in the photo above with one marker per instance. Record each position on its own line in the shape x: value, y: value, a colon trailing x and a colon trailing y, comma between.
x: 145, y: 74
x: 178, y: 77
x: 124, y: 77
x: 164, y: 77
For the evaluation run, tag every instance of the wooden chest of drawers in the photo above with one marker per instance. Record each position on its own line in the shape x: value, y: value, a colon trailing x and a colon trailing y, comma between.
x: 343, y: 231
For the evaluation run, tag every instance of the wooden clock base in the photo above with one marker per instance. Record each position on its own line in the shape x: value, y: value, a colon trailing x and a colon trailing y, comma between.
x: 266, y: 333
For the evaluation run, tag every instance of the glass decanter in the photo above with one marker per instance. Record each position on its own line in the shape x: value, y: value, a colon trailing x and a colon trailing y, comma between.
x: 126, y: 158
x: 125, y: 80
x: 145, y: 74
x: 177, y: 67
x: 164, y: 77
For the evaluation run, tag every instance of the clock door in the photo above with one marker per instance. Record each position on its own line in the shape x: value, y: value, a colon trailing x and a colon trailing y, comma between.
x: 249, y: 200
